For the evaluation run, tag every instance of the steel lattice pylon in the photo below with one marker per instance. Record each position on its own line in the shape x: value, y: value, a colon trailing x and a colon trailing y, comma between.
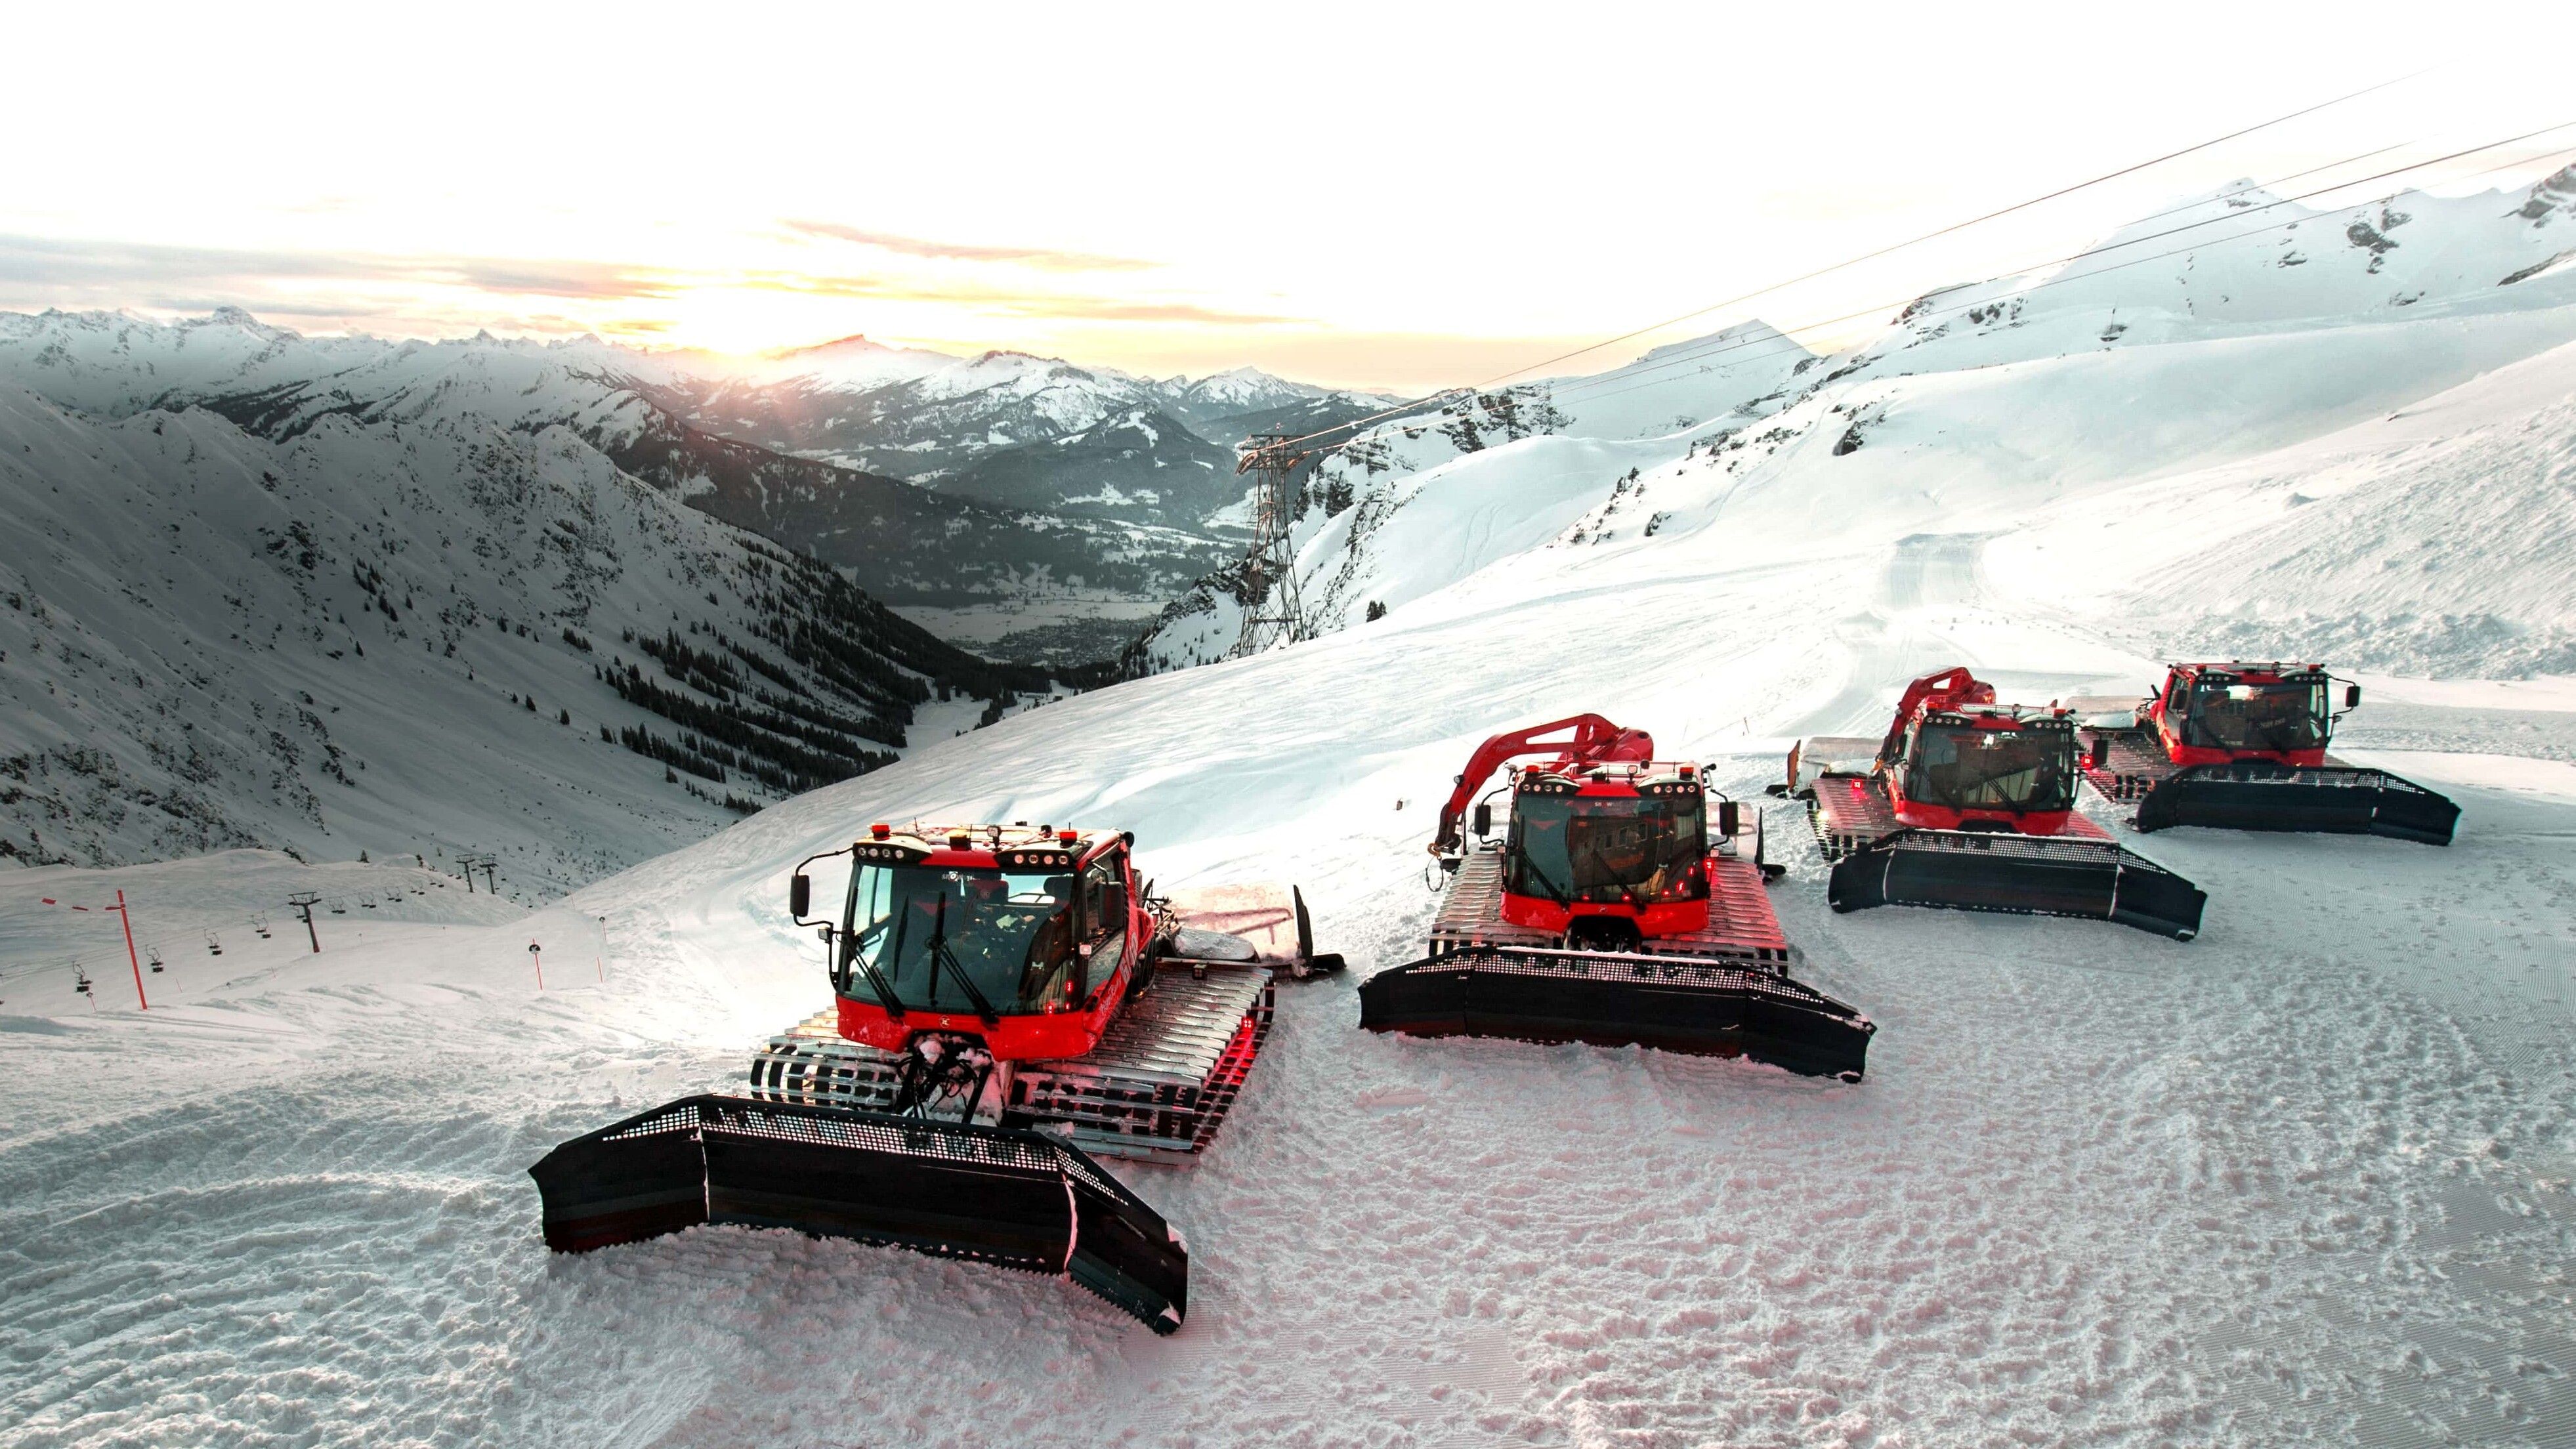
x: 1272, y: 611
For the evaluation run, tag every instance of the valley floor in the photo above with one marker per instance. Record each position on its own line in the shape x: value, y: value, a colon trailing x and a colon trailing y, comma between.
x: 2303, y: 1180
x: 1063, y: 631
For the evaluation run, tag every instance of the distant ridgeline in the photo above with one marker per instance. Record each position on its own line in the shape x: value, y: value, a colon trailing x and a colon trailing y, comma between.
x: 423, y: 630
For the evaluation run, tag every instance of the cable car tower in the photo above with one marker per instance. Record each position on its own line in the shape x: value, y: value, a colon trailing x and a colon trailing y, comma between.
x: 1271, y: 609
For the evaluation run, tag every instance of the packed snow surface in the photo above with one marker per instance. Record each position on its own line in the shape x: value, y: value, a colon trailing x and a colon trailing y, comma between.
x: 2303, y: 1180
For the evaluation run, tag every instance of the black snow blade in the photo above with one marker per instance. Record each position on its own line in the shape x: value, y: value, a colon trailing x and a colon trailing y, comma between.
x: 1608, y: 998
x: 996, y: 1195
x: 1966, y: 870
x: 2327, y: 799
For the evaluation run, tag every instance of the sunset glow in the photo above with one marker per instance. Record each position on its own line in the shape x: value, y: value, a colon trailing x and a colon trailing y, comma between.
x: 1373, y: 201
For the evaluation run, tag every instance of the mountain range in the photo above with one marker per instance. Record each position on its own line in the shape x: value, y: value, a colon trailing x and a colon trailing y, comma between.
x: 563, y: 603
x: 970, y: 488
x: 573, y: 603
x: 2220, y: 328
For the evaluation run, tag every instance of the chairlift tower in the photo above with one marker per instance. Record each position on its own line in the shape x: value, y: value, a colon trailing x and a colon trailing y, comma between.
x: 1272, y: 611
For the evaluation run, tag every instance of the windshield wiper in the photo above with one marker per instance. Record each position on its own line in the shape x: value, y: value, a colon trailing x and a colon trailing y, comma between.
x: 850, y: 944
x: 1530, y: 870
x: 940, y: 956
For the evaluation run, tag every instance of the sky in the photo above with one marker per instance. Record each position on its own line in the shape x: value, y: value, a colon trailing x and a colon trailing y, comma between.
x: 1380, y: 196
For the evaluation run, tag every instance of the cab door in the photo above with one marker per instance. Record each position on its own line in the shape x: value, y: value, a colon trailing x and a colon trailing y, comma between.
x: 2170, y: 708
x: 1108, y: 927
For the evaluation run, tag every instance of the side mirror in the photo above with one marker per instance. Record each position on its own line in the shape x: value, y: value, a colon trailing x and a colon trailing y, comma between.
x: 1484, y: 818
x: 2100, y: 754
x: 1730, y: 818
x: 800, y: 893
x: 2352, y: 696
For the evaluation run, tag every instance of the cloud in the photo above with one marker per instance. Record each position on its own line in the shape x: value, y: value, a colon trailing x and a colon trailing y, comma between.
x: 1011, y: 302
x: 556, y: 278
x: 1101, y: 309
x: 357, y: 287
x: 913, y: 246
x: 132, y: 266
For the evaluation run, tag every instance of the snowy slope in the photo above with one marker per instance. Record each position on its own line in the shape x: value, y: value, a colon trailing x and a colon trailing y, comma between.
x: 2438, y: 539
x: 1137, y: 465
x: 903, y: 543
x: 2304, y: 1180
x: 2099, y: 1188
x: 1421, y: 500
x: 371, y: 636
x: 2218, y: 329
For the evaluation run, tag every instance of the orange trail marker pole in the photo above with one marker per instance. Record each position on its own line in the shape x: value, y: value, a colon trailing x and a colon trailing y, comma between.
x: 139, y: 1002
x: 540, y: 963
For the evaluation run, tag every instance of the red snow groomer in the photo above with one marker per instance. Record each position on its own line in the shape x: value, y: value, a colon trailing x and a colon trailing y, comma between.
x: 1611, y: 912
x: 1970, y: 805
x: 2242, y: 746
x: 1006, y: 1001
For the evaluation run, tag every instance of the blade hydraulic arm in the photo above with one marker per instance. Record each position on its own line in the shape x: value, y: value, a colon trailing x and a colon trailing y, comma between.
x: 1593, y: 740
x: 1948, y: 689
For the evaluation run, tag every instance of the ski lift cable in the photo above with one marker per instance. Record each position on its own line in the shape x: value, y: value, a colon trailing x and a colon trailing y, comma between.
x: 1581, y: 385
x: 1776, y: 346
x: 56, y: 965
x: 1715, y: 346
x: 1962, y: 225
x: 1785, y: 339
x: 1870, y: 256
x: 1649, y: 379
x: 2042, y: 286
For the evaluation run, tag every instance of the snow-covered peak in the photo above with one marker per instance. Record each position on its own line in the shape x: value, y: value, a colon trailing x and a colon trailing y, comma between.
x: 855, y: 363
x: 115, y: 362
x: 241, y: 318
x: 2552, y: 198
x: 2204, y: 213
x: 857, y: 344
x: 2220, y: 323
x: 1232, y: 393
x: 1246, y: 387
x: 1745, y: 335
